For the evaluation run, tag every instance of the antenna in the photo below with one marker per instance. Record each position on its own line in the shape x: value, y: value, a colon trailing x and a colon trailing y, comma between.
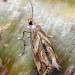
x: 31, y: 8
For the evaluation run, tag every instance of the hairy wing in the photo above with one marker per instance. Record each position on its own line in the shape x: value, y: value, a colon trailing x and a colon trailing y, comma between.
x: 44, y: 56
x: 51, y: 53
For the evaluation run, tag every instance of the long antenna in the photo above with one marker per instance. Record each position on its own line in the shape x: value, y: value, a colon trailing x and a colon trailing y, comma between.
x: 31, y: 8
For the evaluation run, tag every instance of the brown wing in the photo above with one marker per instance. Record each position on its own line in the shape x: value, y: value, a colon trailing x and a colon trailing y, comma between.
x: 49, y: 49
x: 44, y: 56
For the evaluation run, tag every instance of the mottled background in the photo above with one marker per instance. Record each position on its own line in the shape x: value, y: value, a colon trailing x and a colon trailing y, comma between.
x: 57, y: 19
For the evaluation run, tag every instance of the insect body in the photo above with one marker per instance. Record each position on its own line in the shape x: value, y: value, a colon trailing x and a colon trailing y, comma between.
x: 44, y: 56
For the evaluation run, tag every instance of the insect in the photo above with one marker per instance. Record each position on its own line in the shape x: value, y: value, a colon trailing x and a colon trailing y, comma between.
x: 44, y: 56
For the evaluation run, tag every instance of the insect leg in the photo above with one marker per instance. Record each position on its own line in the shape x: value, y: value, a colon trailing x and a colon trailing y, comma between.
x: 25, y: 32
x: 24, y: 43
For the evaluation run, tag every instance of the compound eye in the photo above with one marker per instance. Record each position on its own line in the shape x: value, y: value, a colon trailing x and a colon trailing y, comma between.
x: 30, y: 23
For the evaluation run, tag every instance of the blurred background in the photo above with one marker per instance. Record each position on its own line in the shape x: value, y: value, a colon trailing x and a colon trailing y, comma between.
x: 57, y: 19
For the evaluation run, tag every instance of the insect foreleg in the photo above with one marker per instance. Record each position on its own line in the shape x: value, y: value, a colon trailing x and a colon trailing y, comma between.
x: 24, y: 42
x: 25, y: 32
